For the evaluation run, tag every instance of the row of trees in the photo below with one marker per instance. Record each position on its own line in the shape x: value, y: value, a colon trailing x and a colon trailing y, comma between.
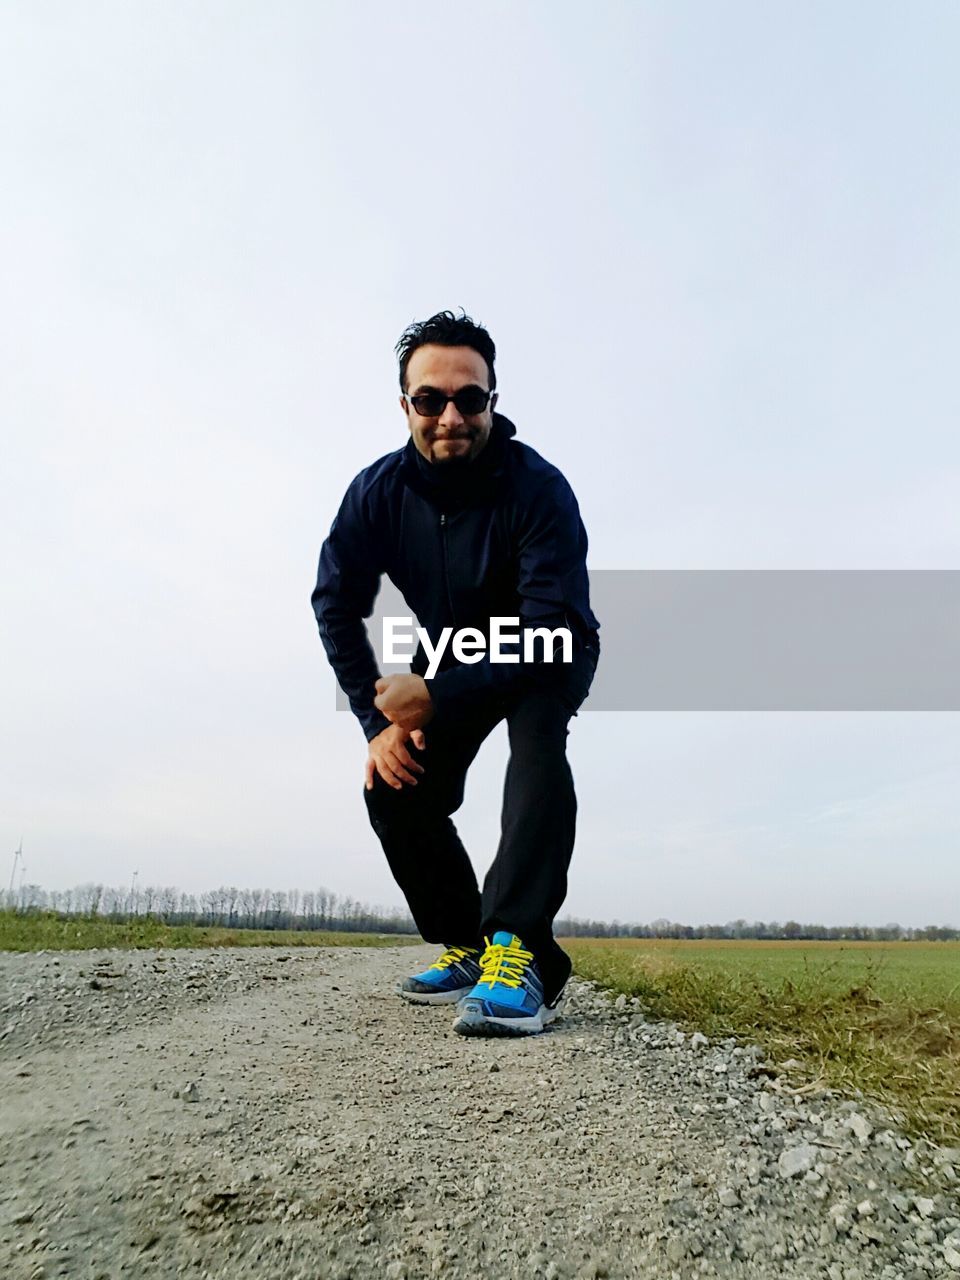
x: 790, y: 931
x: 227, y: 906
x: 235, y: 908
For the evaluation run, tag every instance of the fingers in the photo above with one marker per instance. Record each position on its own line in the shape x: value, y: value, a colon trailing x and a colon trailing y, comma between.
x: 382, y: 684
x: 387, y: 775
x: 398, y: 769
x: 389, y: 757
x: 405, y: 758
x: 393, y: 768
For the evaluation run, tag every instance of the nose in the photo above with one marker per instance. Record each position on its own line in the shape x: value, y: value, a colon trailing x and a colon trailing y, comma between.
x: 451, y: 416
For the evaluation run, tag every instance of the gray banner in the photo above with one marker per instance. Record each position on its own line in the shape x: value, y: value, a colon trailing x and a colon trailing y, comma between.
x: 766, y: 640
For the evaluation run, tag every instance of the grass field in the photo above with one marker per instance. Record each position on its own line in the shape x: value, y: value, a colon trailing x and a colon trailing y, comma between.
x: 883, y: 1018
x: 44, y: 931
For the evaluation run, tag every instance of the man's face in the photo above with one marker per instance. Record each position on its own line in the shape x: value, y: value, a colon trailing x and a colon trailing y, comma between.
x: 451, y: 437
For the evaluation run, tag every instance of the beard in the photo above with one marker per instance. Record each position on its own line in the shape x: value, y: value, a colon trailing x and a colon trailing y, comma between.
x: 458, y: 461
x: 453, y: 463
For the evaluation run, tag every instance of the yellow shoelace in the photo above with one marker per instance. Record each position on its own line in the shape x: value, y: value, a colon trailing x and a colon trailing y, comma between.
x: 503, y: 964
x: 451, y: 956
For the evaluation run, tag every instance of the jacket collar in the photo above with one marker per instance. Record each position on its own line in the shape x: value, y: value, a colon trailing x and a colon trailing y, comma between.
x: 452, y: 490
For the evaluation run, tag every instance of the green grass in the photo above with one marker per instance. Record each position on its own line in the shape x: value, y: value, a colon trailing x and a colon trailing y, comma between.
x: 45, y: 931
x: 881, y: 1018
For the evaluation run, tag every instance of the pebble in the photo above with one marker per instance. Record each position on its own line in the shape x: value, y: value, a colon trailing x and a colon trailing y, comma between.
x: 796, y: 1160
x: 860, y: 1126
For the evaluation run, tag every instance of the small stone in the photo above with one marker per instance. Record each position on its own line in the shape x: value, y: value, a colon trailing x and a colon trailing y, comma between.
x: 676, y: 1250
x: 859, y: 1126
x: 729, y: 1197
x: 796, y: 1160
x: 698, y: 1040
x: 865, y: 1209
x: 951, y: 1257
x: 924, y: 1206
x: 834, y: 1130
x: 494, y: 1066
x: 871, y: 1233
x: 191, y: 1093
x: 620, y: 1003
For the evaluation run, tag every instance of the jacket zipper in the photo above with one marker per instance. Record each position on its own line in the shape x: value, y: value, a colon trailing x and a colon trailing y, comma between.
x: 443, y: 558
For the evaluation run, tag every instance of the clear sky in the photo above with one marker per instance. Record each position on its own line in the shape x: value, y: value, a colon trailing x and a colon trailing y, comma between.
x: 718, y: 249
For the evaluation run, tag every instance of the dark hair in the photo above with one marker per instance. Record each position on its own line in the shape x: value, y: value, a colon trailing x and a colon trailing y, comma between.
x: 446, y: 330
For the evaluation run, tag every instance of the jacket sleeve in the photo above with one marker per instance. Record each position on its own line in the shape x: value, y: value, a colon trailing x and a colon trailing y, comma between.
x: 348, y: 579
x: 552, y: 576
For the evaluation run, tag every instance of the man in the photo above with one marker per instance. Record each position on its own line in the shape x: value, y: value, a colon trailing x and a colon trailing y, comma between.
x: 470, y: 525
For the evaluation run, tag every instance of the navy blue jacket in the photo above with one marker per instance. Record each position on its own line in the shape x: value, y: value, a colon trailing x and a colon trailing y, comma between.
x: 499, y: 536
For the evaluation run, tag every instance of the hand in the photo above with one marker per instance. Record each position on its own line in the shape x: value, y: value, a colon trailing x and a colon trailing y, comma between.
x: 404, y: 700
x: 390, y: 758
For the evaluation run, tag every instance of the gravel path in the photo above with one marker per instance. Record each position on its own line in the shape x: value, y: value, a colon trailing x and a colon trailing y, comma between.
x: 283, y: 1115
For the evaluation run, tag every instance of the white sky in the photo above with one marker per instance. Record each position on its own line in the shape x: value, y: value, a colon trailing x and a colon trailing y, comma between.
x: 718, y: 249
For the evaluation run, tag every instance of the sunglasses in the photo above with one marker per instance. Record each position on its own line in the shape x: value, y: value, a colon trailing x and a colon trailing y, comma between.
x: 468, y: 400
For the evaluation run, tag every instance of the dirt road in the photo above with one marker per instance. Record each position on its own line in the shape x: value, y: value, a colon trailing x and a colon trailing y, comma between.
x: 283, y: 1115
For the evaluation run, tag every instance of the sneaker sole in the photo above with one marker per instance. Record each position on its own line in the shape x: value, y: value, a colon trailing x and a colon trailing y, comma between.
x: 439, y: 997
x: 479, y: 1024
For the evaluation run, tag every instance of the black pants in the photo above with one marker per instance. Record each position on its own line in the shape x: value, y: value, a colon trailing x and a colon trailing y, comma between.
x: 527, y: 882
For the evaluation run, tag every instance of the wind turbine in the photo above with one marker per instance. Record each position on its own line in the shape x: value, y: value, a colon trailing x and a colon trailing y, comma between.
x: 18, y: 853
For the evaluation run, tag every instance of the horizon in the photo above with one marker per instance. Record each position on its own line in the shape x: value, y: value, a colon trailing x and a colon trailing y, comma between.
x: 334, y: 902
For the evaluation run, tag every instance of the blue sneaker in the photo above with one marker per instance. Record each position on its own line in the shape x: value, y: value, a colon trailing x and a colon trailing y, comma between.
x: 447, y: 980
x: 508, y: 1000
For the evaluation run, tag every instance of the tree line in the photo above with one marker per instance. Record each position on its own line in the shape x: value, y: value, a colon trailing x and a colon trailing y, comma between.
x: 233, y: 908
x: 789, y: 931
x: 227, y: 907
